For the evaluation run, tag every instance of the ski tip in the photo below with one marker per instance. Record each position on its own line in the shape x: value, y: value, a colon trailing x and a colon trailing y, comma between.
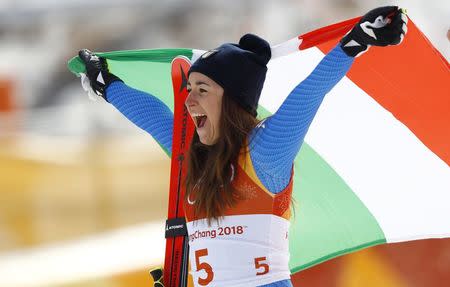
x: 181, y: 58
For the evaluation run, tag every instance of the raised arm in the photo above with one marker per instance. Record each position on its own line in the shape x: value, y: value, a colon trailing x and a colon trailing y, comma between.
x: 144, y: 110
x: 275, y: 143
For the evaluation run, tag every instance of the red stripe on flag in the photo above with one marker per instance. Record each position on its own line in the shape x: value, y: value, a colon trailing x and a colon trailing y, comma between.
x: 412, y: 81
x: 327, y: 33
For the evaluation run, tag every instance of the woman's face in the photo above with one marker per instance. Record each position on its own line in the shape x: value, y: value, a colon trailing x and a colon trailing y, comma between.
x: 204, y: 104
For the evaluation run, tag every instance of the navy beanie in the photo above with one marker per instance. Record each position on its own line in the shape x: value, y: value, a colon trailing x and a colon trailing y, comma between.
x: 240, y: 69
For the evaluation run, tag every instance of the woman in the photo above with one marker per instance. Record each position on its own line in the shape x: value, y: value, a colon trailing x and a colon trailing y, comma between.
x: 240, y: 170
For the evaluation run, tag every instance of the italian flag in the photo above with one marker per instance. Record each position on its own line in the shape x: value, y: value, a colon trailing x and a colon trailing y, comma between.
x: 374, y: 167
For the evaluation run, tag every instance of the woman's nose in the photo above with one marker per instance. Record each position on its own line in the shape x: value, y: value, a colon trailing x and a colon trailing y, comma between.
x: 190, y: 100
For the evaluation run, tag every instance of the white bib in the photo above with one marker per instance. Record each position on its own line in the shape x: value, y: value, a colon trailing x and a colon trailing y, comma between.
x: 240, y: 250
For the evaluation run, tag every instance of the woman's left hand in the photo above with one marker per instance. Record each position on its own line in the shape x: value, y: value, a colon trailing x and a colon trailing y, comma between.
x: 382, y: 26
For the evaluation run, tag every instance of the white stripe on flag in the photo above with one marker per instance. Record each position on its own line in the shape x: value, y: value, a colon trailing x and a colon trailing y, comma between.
x: 284, y: 74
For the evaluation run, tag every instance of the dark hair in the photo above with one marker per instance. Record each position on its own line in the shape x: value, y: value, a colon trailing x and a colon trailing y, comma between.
x: 208, y: 179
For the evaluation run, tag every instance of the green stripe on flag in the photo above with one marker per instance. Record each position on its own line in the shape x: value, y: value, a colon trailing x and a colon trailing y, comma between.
x: 134, y: 69
x: 76, y: 66
x: 329, y: 220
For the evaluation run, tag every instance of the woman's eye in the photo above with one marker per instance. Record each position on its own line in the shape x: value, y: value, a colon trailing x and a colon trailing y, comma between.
x: 203, y: 91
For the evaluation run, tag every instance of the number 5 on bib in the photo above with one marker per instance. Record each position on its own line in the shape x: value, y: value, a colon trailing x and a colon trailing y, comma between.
x: 203, y: 266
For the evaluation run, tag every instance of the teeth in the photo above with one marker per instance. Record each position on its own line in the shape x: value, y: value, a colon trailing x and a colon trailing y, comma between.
x: 198, y: 118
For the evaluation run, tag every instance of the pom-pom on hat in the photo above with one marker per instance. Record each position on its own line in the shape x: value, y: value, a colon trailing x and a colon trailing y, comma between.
x: 240, y: 69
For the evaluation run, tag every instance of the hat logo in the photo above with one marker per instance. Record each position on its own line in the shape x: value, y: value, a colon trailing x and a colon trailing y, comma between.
x: 209, y: 53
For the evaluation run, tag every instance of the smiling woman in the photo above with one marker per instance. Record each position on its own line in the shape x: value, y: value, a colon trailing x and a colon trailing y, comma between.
x: 239, y: 179
x: 204, y: 105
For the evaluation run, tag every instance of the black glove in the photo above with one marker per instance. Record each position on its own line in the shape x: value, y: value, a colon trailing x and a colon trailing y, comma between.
x: 97, y: 72
x: 379, y: 27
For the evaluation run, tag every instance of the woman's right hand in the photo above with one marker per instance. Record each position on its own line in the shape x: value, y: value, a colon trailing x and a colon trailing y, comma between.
x: 97, y: 77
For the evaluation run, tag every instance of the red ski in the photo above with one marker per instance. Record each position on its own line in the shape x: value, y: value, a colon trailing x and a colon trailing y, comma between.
x: 177, y: 243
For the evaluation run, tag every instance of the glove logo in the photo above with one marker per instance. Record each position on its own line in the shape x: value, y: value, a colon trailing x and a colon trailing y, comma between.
x: 94, y: 58
x: 100, y: 78
x: 379, y: 22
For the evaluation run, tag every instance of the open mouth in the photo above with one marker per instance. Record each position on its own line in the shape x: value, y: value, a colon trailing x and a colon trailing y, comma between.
x: 199, y: 119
